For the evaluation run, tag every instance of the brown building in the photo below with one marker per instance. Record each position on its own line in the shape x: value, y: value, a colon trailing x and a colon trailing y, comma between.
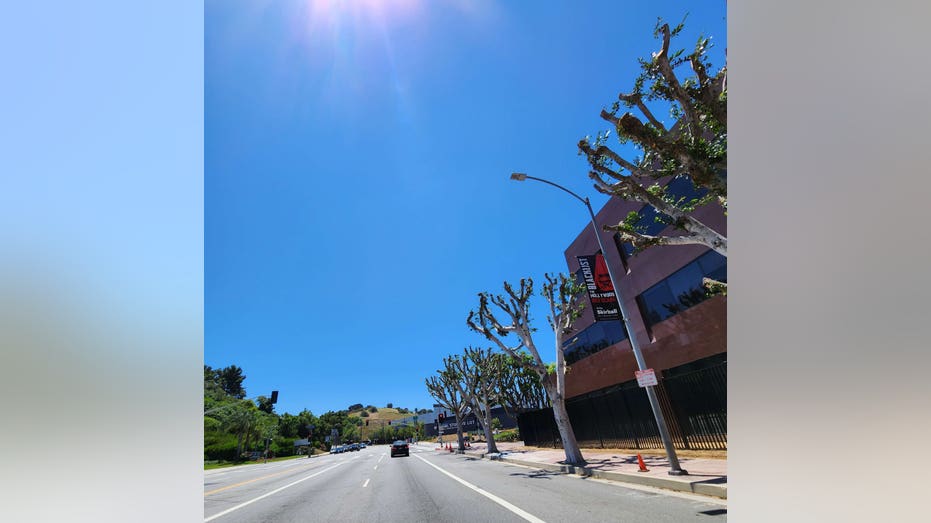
x: 682, y: 333
x: 661, y: 288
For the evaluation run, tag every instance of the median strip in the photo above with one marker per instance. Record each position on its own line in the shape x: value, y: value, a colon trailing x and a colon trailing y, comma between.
x: 251, y: 501
x: 516, y: 510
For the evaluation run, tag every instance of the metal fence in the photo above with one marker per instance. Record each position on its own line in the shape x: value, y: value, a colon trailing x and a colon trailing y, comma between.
x: 694, y: 402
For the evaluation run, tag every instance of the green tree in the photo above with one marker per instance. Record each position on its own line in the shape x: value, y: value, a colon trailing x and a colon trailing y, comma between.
x: 241, y: 421
x: 288, y: 428
x: 520, y: 387
x: 227, y: 381
x: 562, y: 293
x: 264, y: 404
x: 694, y: 147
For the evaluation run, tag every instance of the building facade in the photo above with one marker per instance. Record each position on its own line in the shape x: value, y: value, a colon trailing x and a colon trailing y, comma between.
x: 682, y: 334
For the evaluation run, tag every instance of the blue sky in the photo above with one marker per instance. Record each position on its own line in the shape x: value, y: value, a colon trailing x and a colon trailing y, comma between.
x: 356, y: 184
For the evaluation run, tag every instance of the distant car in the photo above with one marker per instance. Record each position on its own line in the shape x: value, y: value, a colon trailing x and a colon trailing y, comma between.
x: 362, y: 445
x: 400, y: 448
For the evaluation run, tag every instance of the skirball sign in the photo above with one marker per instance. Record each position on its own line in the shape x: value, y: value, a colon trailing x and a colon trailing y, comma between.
x: 601, y: 294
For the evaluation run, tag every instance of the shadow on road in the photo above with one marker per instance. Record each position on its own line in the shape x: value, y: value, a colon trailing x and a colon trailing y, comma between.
x: 537, y: 474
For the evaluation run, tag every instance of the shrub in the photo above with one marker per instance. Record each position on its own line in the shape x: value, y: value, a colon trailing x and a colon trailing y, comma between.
x: 219, y: 446
x: 363, y: 414
x: 508, y: 435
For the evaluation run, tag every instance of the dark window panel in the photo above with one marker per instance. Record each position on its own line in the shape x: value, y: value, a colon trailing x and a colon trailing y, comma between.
x: 682, y: 289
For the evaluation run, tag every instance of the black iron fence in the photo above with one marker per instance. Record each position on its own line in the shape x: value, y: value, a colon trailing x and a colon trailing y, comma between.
x: 693, y: 398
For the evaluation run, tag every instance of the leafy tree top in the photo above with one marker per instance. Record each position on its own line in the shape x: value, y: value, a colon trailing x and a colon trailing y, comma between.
x: 695, y: 146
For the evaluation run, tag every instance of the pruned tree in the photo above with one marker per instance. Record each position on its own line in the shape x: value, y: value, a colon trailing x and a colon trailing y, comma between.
x: 481, y: 371
x: 447, y: 388
x: 563, y: 295
x: 694, y: 147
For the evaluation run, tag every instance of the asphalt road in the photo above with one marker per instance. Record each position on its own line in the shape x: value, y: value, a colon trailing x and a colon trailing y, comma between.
x: 369, y: 485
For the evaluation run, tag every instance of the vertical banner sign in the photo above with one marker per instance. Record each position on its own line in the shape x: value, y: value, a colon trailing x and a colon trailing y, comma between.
x: 601, y: 294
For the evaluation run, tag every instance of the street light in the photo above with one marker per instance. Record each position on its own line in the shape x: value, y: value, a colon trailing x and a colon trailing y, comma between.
x: 675, y: 469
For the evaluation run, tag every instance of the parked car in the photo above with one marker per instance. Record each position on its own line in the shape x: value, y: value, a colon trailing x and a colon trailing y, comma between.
x: 400, y: 448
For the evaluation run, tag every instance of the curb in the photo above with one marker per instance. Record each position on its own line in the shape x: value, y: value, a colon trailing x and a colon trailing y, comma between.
x: 701, y: 487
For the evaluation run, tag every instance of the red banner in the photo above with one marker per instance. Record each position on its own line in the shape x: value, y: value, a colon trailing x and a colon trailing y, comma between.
x: 601, y: 293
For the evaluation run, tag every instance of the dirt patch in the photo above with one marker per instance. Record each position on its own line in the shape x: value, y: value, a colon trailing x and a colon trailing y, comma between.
x: 704, y: 454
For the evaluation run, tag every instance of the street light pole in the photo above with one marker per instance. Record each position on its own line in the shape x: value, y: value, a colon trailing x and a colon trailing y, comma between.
x: 675, y: 469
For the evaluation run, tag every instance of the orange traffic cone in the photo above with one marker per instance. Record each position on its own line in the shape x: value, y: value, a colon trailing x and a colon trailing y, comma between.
x: 643, y: 467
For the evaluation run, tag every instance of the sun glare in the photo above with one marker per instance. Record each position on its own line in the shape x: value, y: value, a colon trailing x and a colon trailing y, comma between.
x: 356, y: 11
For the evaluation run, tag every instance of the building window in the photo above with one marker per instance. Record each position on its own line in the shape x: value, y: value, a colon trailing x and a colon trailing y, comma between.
x: 677, y: 188
x: 681, y: 289
x: 597, y: 337
x: 621, y: 251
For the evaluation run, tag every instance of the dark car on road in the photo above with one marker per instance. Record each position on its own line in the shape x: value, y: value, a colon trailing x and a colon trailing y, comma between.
x: 400, y: 448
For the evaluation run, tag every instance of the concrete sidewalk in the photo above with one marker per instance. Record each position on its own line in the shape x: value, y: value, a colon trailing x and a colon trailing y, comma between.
x: 706, y: 476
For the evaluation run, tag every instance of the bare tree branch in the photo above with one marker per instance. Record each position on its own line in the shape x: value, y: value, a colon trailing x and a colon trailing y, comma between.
x: 637, y: 99
x: 662, y: 60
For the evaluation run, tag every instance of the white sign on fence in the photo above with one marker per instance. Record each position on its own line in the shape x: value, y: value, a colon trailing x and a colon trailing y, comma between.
x: 646, y: 377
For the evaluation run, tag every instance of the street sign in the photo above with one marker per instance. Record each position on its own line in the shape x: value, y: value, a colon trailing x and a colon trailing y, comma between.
x: 646, y: 377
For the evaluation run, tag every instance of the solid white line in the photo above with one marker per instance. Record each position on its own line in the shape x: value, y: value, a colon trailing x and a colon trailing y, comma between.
x: 366, y: 483
x: 251, y: 501
x: 489, y: 495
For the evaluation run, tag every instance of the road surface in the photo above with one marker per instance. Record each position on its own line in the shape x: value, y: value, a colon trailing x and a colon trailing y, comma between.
x: 369, y: 485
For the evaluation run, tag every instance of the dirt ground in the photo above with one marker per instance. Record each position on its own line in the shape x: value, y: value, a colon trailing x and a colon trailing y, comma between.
x: 708, y: 454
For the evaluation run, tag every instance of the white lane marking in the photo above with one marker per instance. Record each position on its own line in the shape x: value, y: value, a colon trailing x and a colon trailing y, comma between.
x: 381, y: 458
x: 526, y: 515
x: 376, y: 467
x: 251, y: 501
x: 366, y: 483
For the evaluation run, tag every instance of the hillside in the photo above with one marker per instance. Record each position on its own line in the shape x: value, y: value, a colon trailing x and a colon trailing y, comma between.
x: 383, y: 413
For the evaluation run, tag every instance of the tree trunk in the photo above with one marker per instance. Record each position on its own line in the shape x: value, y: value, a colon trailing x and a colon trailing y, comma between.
x: 489, y: 434
x: 485, y: 410
x: 238, y: 447
x: 561, y: 415
x: 459, y: 435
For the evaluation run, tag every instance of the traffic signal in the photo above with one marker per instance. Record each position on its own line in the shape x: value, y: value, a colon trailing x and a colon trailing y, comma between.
x: 442, y: 417
x: 366, y: 423
x: 389, y: 422
x: 274, y: 396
